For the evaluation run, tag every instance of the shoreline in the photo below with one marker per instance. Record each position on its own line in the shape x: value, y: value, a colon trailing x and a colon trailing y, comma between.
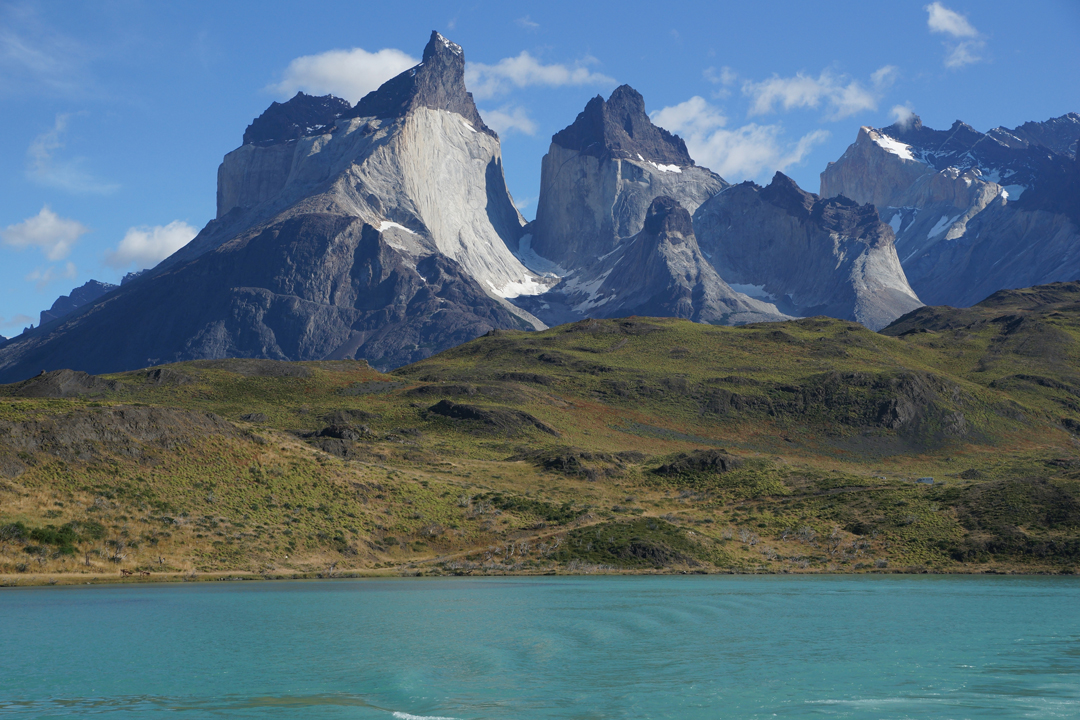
x: 77, y: 579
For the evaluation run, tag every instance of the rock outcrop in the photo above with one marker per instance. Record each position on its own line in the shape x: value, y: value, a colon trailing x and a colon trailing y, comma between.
x: 67, y: 304
x: 599, y: 177
x: 382, y: 236
x: 972, y: 212
x: 658, y: 272
x: 808, y: 255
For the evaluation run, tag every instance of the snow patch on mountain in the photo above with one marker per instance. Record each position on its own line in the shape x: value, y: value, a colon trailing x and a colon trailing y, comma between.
x: 894, y: 146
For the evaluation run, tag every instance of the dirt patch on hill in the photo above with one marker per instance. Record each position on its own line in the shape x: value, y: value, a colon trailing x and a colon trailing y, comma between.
x: 84, y: 434
x: 699, y: 462
x: 253, y: 367
x: 61, y: 384
x: 499, y: 420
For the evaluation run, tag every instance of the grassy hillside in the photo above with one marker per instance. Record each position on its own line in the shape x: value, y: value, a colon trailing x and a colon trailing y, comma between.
x: 636, y: 445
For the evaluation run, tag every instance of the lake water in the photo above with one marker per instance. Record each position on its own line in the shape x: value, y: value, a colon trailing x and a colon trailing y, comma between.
x: 590, y: 647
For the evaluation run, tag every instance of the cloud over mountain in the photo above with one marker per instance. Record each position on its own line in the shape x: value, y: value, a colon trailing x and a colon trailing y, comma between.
x: 349, y: 74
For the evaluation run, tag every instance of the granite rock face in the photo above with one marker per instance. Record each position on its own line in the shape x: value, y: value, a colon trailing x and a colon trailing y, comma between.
x: 380, y: 236
x: 972, y: 213
x: 660, y: 272
x: 601, y: 174
x: 82, y: 295
x: 808, y: 255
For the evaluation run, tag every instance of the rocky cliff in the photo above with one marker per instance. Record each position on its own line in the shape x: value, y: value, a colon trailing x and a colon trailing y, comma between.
x: 660, y: 271
x: 86, y: 293
x: 600, y: 176
x: 972, y: 212
x: 382, y: 235
x: 809, y: 255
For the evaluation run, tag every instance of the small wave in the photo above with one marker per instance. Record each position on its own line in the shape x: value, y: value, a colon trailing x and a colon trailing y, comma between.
x: 407, y: 716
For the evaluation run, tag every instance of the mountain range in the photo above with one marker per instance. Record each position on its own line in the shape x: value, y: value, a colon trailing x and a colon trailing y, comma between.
x: 385, y: 231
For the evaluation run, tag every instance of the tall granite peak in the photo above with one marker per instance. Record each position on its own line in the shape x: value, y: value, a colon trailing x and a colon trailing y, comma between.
x: 620, y: 128
x: 299, y: 117
x: 599, y: 177
x: 438, y: 83
x: 381, y: 238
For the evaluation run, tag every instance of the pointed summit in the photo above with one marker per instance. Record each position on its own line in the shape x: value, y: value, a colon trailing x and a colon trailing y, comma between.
x: 620, y: 128
x: 438, y: 82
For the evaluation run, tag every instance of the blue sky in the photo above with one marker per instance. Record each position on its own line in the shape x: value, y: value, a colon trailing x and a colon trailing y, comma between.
x: 115, y: 115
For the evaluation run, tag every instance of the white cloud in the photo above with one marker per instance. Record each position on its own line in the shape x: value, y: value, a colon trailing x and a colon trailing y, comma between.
x: 509, y: 119
x: 884, y: 76
x: 943, y: 20
x: 45, y: 167
x: 146, y: 246
x: 844, y: 97
x: 348, y: 74
x: 693, y: 117
x: 42, y: 277
x: 750, y: 151
x: 724, y: 76
x: 902, y: 115
x: 522, y: 203
x: 487, y: 81
x: 964, y: 53
x: 49, y: 232
x: 967, y: 43
x: 527, y: 23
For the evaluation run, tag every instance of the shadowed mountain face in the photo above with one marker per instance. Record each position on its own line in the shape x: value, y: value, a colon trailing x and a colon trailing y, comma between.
x: 658, y: 272
x: 809, y: 255
x: 66, y: 304
x: 348, y: 289
x: 1059, y: 134
x: 972, y: 212
x: 380, y: 235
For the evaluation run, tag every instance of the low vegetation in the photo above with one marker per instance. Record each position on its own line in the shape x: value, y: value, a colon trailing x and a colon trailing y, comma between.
x: 946, y: 443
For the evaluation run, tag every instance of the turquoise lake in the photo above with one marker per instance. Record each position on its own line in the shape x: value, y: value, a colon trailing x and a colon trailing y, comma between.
x: 567, y: 647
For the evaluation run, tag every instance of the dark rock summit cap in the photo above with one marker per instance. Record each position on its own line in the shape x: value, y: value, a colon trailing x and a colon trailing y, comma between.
x: 295, y: 118
x: 438, y: 82
x: 665, y: 215
x: 620, y: 128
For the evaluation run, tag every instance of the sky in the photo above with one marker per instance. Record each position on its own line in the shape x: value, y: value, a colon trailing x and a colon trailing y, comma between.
x: 114, y: 115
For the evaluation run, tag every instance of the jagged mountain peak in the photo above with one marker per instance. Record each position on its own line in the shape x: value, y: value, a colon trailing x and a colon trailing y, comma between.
x: 438, y: 82
x: 912, y: 123
x: 620, y: 128
x: 666, y: 216
x: 437, y: 44
x: 302, y: 115
x: 1059, y: 134
x: 785, y: 193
